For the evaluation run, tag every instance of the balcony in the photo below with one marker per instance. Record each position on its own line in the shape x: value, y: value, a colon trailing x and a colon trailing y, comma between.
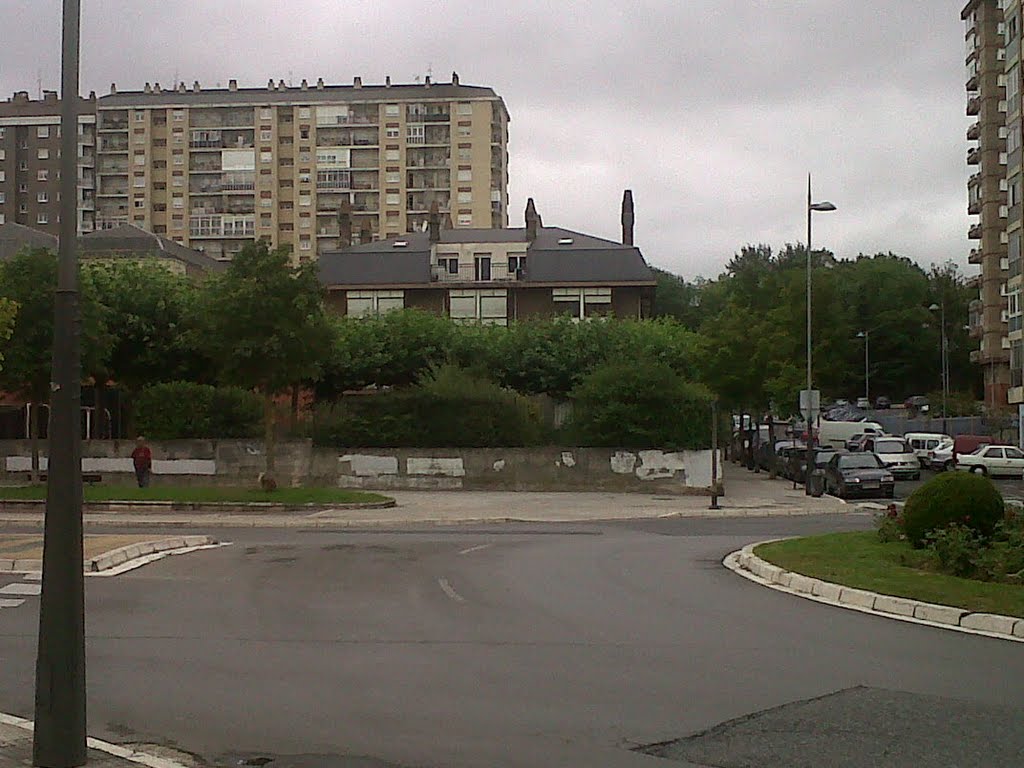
x: 974, y: 132
x: 975, y: 356
x: 489, y: 272
x: 975, y: 178
x: 222, y: 226
x: 972, y: 83
x: 110, y: 222
x: 974, y: 233
x: 974, y: 207
x: 973, y: 106
x: 112, y: 124
x: 429, y: 117
x: 974, y: 257
x: 974, y: 156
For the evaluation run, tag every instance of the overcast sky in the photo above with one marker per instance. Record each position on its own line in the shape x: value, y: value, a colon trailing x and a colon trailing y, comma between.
x: 712, y: 111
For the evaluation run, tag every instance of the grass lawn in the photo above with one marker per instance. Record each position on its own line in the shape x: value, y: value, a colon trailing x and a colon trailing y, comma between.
x: 200, y: 494
x: 861, y: 560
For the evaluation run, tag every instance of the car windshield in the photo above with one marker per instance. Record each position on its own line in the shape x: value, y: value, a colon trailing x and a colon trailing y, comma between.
x: 891, y: 446
x: 859, y: 461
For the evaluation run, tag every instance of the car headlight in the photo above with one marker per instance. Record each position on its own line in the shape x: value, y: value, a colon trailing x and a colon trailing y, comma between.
x: 853, y: 479
x: 887, y: 478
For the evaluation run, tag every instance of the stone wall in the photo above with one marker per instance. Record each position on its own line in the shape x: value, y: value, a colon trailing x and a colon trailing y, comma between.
x: 204, y: 462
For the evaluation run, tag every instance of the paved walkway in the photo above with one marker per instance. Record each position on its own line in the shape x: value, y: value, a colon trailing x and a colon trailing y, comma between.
x: 747, y: 494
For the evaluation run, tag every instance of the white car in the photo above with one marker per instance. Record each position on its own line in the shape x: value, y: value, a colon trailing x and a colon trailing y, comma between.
x: 941, y: 458
x: 898, y: 457
x: 993, y: 460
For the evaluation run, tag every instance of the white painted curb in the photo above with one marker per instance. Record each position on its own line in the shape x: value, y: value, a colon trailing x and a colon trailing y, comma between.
x: 127, y: 558
x: 142, y: 758
x: 748, y: 565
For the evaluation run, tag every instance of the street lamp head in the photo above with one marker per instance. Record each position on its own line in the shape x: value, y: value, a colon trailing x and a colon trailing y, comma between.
x: 934, y: 308
x: 823, y: 206
x: 861, y: 335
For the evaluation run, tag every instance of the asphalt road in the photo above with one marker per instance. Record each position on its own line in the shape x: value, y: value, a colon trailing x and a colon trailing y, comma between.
x: 557, y: 645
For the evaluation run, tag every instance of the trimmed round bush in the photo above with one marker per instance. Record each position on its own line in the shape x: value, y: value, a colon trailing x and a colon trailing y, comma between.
x: 953, y: 497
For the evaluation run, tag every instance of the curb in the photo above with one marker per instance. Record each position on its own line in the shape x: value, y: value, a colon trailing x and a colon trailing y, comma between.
x: 115, y: 750
x: 122, y: 559
x: 16, y: 506
x: 748, y: 565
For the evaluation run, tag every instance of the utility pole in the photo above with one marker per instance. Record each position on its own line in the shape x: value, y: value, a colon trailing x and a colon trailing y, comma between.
x: 60, y: 722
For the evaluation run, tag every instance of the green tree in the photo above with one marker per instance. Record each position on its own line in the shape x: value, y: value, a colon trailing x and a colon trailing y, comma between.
x: 29, y: 279
x: 676, y: 298
x: 8, y: 310
x: 263, y: 325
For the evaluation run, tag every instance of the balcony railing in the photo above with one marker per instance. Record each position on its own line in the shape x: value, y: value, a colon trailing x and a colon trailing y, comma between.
x: 973, y: 106
x: 496, y: 271
x: 110, y: 222
x: 973, y: 156
x: 974, y: 257
x: 972, y: 83
x: 974, y: 233
x: 974, y: 207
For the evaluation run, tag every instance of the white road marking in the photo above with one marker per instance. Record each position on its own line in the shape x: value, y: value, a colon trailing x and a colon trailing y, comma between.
x: 22, y: 589
x: 475, y: 549
x: 10, y: 603
x: 447, y: 589
x: 33, y: 576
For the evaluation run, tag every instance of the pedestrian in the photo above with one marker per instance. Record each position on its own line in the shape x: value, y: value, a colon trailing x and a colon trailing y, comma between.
x: 142, y: 457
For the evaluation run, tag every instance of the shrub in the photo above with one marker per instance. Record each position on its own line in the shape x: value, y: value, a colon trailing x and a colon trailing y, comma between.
x: 450, y: 408
x: 890, y: 528
x: 181, y: 410
x: 640, y: 404
x: 957, y: 549
x: 952, y: 497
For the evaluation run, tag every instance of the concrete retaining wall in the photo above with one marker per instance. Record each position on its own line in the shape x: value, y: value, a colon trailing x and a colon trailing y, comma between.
x: 205, y: 462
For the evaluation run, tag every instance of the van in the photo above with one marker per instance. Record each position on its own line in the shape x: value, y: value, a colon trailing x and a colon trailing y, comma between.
x: 923, y: 442
x: 836, y: 433
x: 897, y: 456
x: 970, y: 443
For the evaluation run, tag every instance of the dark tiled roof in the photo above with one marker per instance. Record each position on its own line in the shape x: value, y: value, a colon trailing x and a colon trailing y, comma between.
x: 311, y: 95
x: 14, y: 237
x: 550, y: 258
x: 132, y: 240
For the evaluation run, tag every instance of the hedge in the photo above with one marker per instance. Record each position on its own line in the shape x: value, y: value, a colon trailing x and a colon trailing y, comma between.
x: 953, y: 497
x: 183, y: 410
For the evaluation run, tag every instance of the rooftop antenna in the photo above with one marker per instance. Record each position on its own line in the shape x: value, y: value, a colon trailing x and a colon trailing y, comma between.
x: 289, y: 78
x: 39, y: 84
x: 430, y: 70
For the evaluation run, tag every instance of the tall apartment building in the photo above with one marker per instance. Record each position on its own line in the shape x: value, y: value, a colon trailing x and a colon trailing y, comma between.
x: 993, y: 102
x: 214, y: 168
x: 1014, y: 190
x: 30, y: 162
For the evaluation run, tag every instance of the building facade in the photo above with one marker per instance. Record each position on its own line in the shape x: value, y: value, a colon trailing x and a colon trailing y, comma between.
x: 493, y: 276
x: 30, y: 162
x: 215, y: 168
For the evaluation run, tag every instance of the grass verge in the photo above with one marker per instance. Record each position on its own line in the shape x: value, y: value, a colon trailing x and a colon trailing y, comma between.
x: 860, y: 560
x: 201, y: 494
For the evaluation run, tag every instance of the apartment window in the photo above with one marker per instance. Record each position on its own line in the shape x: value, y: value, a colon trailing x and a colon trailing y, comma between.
x: 305, y: 245
x: 393, y: 199
x: 3, y: 175
x: 178, y: 202
x: 140, y: 160
x: 179, y: 137
x: 516, y: 264
x: 305, y: 177
x: 1013, y: 139
x: 23, y: 208
x: 465, y: 108
x: 465, y: 197
x: 178, y: 115
x: 1012, y: 88
x: 266, y: 113
x: 363, y: 303
x: 3, y: 154
x: 23, y: 165
x: 3, y: 197
x: 391, y: 110
x: 43, y: 132
x: 1013, y: 192
x: 305, y: 200
x: 485, y: 306
x: 415, y: 134
x: 177, y: 181
x: 304, y: 132
x: 465, y: 175
x: 42, y: 218
x: 140, y: 117
x: 178, y: 160
x: 42, y: 175
x: 465, y: 155
x: 140, y: 182
x: 43, y: 153
x: 43, y: 197
x: 304, y: 113
x: 579, y: 303
x: 465, y: 219
x: 22, y: 188
x: 140, y: 203
x: 465, y: 131
x: 305, y: 223
x: 392, y: 133
x: 266, y: 157
x: 391, y: 154
x: 2, y: 131
x: 393, y: 177
x: 449, y: 264
x: 1012, y: 28
x: 266, y: 135
x: 3, y: 219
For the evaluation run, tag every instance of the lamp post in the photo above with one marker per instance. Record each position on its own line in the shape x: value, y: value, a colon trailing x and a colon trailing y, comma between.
x: 944, y: 354
x: 59, y: 738
x: 866, y: 335
x: 811, y: 208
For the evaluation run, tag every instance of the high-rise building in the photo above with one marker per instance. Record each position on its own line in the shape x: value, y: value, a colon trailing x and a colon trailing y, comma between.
x: 30, y: 162
x: 990, y: 195
x: 1014, y: 190
x: 214, y: 168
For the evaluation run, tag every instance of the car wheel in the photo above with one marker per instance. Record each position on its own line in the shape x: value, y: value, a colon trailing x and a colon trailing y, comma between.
x: 948, y: 466
x: 841, y: 491
x: 916, y: 476
x: 891, y: 493
x: 979, y: 470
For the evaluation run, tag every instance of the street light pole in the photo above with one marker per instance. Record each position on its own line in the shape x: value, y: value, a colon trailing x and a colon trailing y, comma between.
x: 60, y: 727
x: 866, y: 335
x: 943, y: 355
x: 811, y: 207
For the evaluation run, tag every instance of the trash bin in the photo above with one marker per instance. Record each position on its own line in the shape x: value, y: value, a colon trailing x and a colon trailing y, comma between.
x: 817, y: 483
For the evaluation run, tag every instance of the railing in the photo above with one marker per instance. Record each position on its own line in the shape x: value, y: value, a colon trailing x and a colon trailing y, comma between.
x: 429, y: 117
x: 110, y: 222
x: 475, y: 273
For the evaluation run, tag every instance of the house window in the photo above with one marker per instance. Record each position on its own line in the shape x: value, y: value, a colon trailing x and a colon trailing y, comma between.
x: 43, y: 132
x: 465, y: 175
x: 43, y: 153
x: 448, y: 264
x: 391, y: 110
x: 366, y: 303
x: 465, y: 108
x: 579, y: 303
x: 42, y: 175
x: 488, y: 306
x: 42, y: 218
x: 516, y: 264
x: 43, y: 197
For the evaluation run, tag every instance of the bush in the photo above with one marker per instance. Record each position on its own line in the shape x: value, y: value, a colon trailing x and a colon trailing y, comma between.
x: 890, y: 528
x: 181, y: 410
x: 957, y: 549
x: 450, y: 408
x: 952, y: 497
x: 640, y: 404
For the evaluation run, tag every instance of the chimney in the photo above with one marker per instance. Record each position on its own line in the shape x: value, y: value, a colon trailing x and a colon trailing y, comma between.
x: 365, y: 235
x: 455, y: 78
x: 232, y: 85
x: 435, y: 222
x: 345, y: 224
x: 181, y: 87
x: 305, y: 85
x: 357, y: 82
x: 281, y: 86
x: 147, y: 88
x: 195, y: 86
x: 387, y: 81
x: 157, y: 88
x: 426, y: 81
x: 319, y: 83
x: 21, y: 97
x: 627, y: 217
x: 50, y: 97
x: 270, y: 84
x: 113, y: 88
x: 532, y: 220
x: 92, y: 95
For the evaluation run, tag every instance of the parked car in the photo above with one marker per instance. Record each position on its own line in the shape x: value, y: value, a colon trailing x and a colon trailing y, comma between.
x: 923, y: 443
x: 896, y: 455
x: 917, y: 403
x: 970, y: 443
x: 858, y: 474
x: 853, y: 442
x: 787, y: 462
x: 883, y: 403
x: 841, y: 401
x: 994, y: 460
x: 941, y: 458
x: 836, y: 433
x: 863, y: 402
x: 798, y: 462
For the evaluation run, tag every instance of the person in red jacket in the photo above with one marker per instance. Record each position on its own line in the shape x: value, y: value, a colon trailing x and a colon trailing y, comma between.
x: 142, y: 457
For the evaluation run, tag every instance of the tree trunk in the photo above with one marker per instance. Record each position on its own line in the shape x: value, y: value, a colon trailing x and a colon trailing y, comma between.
x: 100, y: 421
x: 33, y: 436
x: 268, y: 434
x: 772, y: 468
x: 294, y: 424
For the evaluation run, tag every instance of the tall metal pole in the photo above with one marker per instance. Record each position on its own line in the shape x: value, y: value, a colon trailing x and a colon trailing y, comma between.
x: 810, y: 430
x: 945, y: 363
x: 867, y: 374
x: 714, y: 455
x: 60, y: 721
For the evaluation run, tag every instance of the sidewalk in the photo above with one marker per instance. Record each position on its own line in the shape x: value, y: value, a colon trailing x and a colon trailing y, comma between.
x: 747, y: 495
x: 16, y: 750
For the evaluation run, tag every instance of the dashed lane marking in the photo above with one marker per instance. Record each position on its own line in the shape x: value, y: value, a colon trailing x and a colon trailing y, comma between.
x: 31, y: 590
x: 10, y: 603
x: 447, y: 589
x: 477, y: 548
